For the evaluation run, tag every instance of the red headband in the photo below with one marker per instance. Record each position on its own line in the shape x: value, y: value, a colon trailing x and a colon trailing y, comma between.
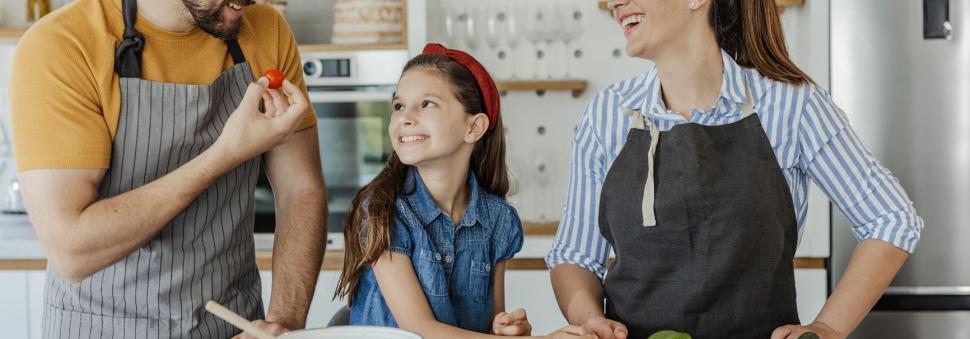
x: 485, y: 83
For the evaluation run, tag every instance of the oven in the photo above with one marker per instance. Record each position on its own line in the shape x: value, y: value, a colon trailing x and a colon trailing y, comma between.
x: 351, y: 93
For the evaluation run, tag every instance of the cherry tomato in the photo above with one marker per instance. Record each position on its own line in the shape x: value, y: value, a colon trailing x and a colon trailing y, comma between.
x: 275, y: 78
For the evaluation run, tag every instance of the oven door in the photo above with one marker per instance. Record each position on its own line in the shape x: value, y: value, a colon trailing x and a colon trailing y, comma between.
x: 352, y: 131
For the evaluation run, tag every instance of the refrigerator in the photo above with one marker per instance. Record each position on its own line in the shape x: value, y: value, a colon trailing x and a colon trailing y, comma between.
x: 901, y: 72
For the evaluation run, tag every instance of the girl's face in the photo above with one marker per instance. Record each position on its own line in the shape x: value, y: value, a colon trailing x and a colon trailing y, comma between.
x: 651, y: 24
x: 428, y: 123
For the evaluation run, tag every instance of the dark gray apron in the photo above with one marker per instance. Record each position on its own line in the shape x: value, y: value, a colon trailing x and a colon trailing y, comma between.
x: 705, y: 245
x: 205, y: 253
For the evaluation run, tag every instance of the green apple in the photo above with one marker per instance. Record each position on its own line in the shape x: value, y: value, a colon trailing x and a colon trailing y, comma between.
x: 668, y: 334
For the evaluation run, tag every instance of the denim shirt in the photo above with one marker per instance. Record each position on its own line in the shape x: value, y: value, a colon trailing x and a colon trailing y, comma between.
x: 452, y: 263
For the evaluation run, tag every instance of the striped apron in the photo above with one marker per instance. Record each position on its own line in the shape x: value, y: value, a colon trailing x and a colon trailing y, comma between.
x: 205, y: 253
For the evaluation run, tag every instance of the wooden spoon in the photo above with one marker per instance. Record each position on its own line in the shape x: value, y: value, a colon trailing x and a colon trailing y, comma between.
x: 237, y: 320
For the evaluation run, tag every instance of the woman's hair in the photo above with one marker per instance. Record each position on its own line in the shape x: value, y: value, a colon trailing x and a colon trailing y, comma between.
x: 750, y: 31
x: 367, y: 230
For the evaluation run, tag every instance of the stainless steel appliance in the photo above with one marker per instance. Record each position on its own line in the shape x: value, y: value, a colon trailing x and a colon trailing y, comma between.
x: 901, y: 72
x: 351, y: 92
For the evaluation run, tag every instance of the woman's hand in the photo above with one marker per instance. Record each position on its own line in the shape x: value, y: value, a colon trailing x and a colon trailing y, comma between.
x: 821, y: 330
x: 512, y: 324
x: 605, y: 328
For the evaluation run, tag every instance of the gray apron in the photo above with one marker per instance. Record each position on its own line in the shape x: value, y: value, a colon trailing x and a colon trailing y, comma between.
x: 205, y: 253
x: 703, y: 228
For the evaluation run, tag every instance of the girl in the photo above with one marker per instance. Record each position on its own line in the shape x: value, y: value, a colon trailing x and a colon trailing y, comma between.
x: 428, y: 238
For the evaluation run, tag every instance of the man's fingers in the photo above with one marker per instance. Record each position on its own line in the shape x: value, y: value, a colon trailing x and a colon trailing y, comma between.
x: 294, y: 93
x: 254, y: 92
x: 269, y: 108
x: 282, y: 104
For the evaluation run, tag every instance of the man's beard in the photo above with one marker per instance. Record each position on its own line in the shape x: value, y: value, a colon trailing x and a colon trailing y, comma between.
x: 210, y: 20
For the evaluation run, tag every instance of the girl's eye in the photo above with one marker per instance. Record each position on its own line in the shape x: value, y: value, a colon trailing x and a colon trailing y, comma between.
x: 428, y: 103
x: 397, y: 106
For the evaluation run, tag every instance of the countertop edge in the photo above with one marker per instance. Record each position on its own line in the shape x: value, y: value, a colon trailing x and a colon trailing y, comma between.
x: 333, y: 261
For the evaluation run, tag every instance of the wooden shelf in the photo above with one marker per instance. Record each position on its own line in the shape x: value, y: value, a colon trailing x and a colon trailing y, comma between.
x: 786, y: 3
x: 779, y: 3
x: 532, y: 228
x: 330, y: 47
x: 576, y: 87
x: 11, y: 32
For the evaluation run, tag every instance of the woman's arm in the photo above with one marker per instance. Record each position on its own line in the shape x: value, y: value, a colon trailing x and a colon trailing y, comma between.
x: 873, y: 200
x: 580, y: 296
x: 579, y: 254
x: 872, y: 267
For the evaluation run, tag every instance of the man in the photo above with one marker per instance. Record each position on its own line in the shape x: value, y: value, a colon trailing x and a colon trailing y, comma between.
x: 138, y: 135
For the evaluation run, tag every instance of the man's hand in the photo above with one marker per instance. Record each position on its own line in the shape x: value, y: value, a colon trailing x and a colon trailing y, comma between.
x: 249, y: 132
x: 268, y: 327
x: 605, y: 328
x: 512, y: 324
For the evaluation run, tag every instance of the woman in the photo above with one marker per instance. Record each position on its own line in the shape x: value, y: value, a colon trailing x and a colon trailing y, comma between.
x: 695, y: 173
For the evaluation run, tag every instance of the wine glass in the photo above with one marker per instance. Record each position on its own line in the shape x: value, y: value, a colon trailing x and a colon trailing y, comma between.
x: 572, y: 28
x: 471, y: 29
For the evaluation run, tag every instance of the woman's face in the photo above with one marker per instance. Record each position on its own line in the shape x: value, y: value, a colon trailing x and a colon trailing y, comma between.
x: 428, y: 123
x: 650, y: 25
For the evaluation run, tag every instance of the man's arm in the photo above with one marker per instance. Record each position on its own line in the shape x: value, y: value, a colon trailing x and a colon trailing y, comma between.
x: 294, y: 172
x: 82, y: 235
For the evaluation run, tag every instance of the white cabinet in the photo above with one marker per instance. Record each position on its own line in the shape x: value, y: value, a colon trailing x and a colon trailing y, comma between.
x: 36, y: 286
x: 13, y: 304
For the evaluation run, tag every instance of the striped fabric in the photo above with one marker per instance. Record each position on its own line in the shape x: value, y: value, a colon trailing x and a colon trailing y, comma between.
x: 811, y: 138
x: 205, y: 253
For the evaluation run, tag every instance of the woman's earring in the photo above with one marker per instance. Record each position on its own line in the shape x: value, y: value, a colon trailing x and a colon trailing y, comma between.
x: 693, y: 5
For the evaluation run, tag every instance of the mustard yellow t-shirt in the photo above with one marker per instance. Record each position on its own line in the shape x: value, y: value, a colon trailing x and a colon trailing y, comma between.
x: 64, y: 92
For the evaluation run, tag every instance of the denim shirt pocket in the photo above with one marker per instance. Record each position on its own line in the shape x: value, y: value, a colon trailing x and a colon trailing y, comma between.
x: 427, y: 266
x: 480, y: 279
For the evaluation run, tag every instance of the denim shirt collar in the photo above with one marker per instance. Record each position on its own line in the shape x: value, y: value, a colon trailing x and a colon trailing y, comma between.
x: 646, y: 97
x: 427, y: 210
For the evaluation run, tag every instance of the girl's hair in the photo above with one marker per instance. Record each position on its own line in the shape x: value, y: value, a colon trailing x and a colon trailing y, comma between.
x: 367, y: 230
x: 750, y: 31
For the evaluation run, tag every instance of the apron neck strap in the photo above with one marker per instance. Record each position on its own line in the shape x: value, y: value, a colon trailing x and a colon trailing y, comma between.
x: 128, y: 53
x: 235, y: 51
x: 640, y: 121
x: 748, y: 107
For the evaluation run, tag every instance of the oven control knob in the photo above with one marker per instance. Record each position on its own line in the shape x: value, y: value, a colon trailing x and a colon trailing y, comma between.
x: 313, y: 68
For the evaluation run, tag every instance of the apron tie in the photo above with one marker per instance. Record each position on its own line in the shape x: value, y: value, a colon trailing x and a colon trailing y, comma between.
x: 649, y: 190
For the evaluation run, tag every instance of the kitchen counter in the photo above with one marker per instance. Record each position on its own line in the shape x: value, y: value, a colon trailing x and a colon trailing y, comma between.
x: 333, y: 261
x: 20, y: 249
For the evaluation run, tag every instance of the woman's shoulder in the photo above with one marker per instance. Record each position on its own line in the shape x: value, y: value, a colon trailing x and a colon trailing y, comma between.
x: 773, y: 90
x: 626, y: 90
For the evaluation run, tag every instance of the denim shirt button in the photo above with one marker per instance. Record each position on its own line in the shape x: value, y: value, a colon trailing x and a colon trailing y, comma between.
x: 437, y: 256
x: 488, y: 268
x: 448, y: 259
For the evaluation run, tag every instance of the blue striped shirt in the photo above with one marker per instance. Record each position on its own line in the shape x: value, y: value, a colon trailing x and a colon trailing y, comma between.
x: 809, y: 134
